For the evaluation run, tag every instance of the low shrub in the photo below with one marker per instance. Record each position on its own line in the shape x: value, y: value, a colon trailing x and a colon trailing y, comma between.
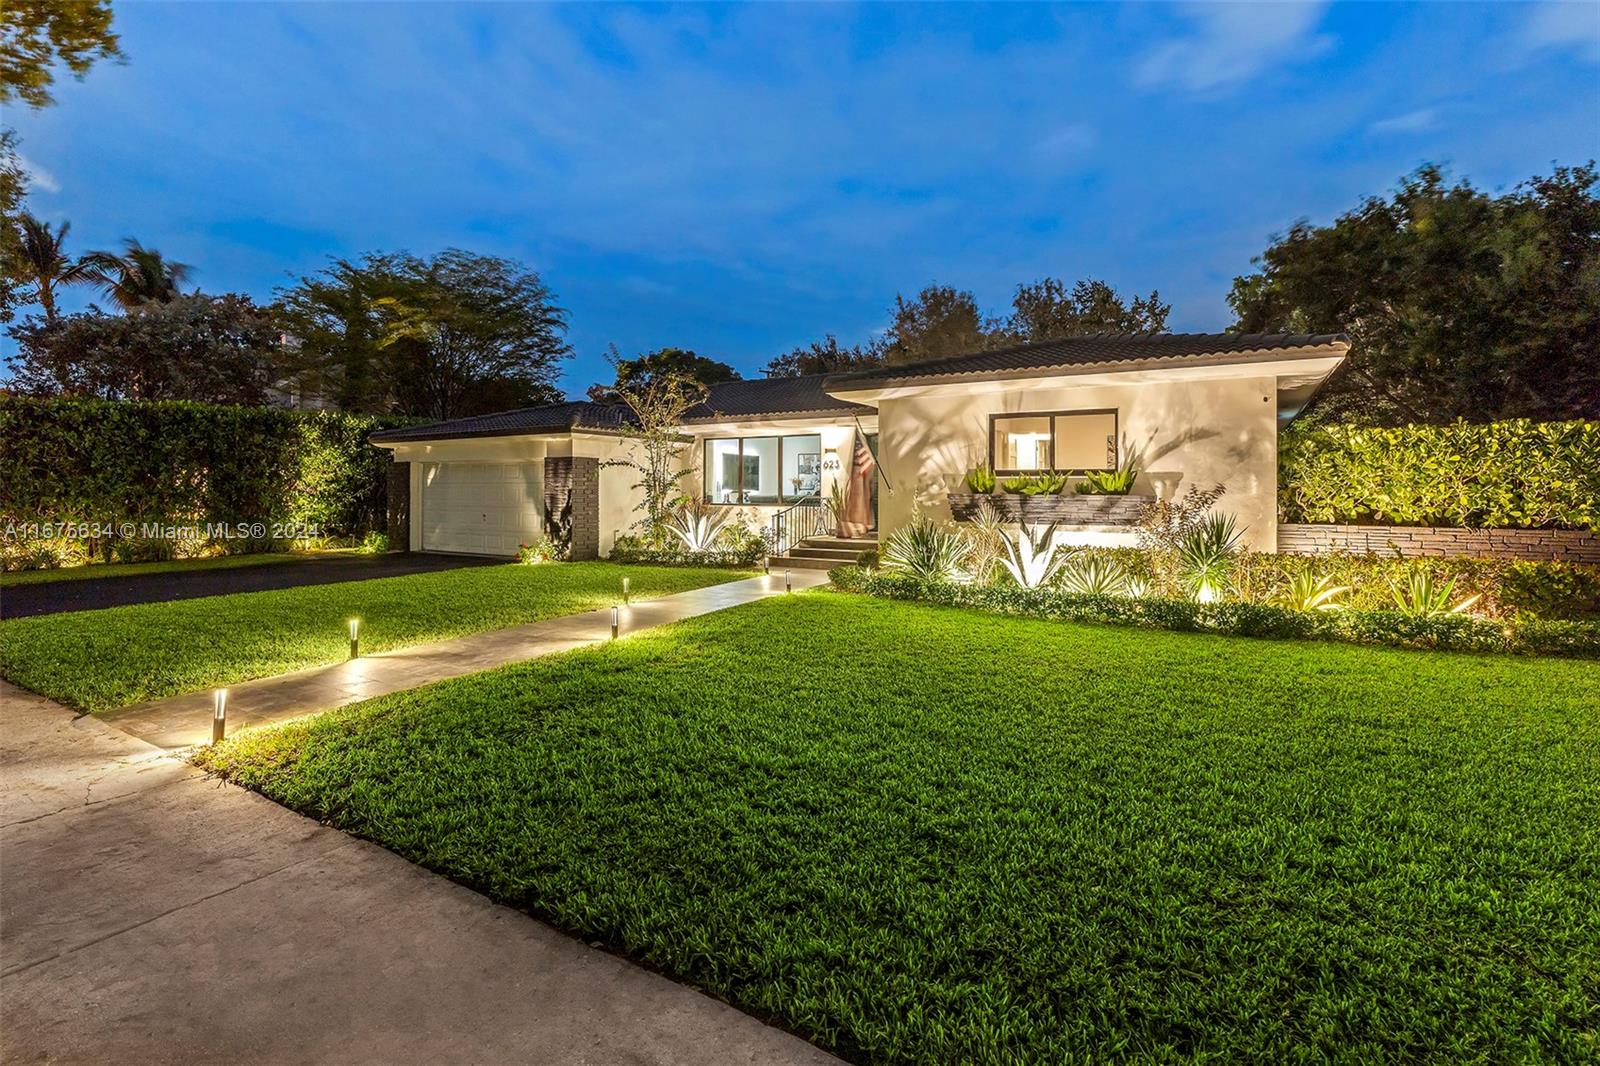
x: 739, y: 546
x: 374, y: 543
x: 1455, y: 632
x: 1513, y: 474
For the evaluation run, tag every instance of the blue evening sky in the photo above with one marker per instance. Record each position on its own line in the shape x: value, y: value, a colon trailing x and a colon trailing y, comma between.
x: 743, y: 179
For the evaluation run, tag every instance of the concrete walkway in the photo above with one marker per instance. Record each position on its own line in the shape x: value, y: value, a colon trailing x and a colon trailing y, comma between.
x: 184, y: 720
x: 150, y: 914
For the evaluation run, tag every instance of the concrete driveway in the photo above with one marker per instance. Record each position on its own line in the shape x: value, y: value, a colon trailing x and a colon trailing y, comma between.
x: 90, y: 593
x: 151, y: 914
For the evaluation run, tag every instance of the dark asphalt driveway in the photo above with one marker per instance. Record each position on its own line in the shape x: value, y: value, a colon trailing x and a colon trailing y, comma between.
x: 87, y: 594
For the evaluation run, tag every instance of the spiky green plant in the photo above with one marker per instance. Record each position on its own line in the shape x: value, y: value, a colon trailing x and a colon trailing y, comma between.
x: 980, y: 479
x: 927, y: 550
x: 1422, y: 597
x: 698, y: 525
x: 985, y: 537
x: 1311, y: 592
x: 1032, y: 557
x: 1118, y: 482
x: 1095, y: 575
x: 1205, y: 557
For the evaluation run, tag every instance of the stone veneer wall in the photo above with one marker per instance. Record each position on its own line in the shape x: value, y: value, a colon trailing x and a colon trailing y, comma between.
x: 576, y: 480
x: 399, y: 517
x: 1566, y: 545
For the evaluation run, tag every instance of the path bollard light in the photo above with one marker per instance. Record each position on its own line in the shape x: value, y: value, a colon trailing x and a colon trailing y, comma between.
x: 613, y: 623
x: 766, y: 564
x: 625, y: 589
x: 355, y: 638
x: 219, y: 714
x: 788, y: 586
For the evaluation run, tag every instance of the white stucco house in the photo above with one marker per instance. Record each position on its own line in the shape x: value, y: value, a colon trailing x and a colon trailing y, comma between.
x: 1187, y: 409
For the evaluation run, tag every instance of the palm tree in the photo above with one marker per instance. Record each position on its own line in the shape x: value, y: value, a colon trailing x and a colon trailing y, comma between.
x: 138, y: 276
x: 42, y: 262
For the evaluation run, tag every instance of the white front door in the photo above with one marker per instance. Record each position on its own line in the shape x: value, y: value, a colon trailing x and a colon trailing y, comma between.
x: 481, y: 508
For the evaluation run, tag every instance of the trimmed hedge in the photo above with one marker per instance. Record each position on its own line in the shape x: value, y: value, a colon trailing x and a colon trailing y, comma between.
x: 740, y: 546
x: 1450, y: 633
x: 1511, y: 475
x: 90, y: 461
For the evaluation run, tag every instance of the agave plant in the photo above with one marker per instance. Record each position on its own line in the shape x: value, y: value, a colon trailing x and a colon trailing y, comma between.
x: 1095, y: 575
x: 927, y: 550
x: 1032, y: 558
x: 1118, y: 482
x: 980, y: 479
x: 1309, y: 592
x: 1205, y: 556
x: 985, y: 539
x: 698, y: 525
x: 1421, y: 597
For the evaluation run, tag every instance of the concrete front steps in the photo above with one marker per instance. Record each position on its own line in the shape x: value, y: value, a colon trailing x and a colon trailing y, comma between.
x: 823, y: 553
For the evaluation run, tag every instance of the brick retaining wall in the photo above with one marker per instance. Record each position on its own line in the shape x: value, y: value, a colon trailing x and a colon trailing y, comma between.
x: 1567, y: 545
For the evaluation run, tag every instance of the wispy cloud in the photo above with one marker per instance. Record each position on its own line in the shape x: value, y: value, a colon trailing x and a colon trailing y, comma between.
x: 1232, y: 43
x: 1067, y: 143
x: 1574, y: 25
x: 1424, y: 118
x: 38, y: 177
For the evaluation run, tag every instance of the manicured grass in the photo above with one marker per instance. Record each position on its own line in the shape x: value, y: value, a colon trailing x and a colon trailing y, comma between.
x: 97, y: 570
x: 97, y: 660
x: 918, y: 834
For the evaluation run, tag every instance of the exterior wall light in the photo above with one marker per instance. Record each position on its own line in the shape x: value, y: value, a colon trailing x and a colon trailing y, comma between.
x: 219, y: 714
x: 613, y: 623
x: 355, y: 638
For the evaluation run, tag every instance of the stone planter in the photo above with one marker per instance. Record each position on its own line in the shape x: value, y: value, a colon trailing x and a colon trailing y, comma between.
x: 1067, y: 509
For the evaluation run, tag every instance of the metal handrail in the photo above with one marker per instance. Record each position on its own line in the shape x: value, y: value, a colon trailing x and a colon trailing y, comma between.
x: 805, y: 518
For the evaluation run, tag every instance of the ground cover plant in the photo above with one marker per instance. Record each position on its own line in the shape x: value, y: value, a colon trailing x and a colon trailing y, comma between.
x: 98, y: 660
x: 995, y: 839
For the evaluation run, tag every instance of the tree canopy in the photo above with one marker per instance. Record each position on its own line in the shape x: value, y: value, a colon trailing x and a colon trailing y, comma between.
x: 680, y: 363
x: 213, y: 349
x: 452, y: 335
x: 826, y: 356
x: 1459, y: 303
x: 1049, y: 310
x: 36, y: 35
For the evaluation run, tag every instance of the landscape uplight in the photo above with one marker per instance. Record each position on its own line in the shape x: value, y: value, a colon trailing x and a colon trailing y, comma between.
x: 355, y: 638
x: 219, y: 714
x: 613, y: 623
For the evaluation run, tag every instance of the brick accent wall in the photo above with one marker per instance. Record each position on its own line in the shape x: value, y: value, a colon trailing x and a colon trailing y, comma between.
x: 399, y: 523
x: 574, y: 483
x: 1567, y: 545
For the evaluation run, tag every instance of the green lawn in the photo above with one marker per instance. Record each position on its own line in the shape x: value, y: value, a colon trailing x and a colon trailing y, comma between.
x: 918, y: 834
x: 97, y: 570
x: 97, y: 660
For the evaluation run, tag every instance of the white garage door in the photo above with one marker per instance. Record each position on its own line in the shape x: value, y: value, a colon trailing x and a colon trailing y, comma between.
x: 481, y: 508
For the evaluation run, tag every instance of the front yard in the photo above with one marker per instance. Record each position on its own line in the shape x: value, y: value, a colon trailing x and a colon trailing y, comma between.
x: 98, y: 660
x: 919, y: 834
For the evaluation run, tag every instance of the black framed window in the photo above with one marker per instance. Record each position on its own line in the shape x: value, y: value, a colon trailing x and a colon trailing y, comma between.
x: 762, y: 470
x: 1053, y: 440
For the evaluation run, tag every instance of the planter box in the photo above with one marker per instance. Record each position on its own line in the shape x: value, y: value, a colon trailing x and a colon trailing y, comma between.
x: 1067, y: 509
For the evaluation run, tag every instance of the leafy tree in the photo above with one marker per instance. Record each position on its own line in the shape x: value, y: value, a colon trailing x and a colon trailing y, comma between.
x: 1459, y: 303
x: 137, y: 276
x: 1048, y: 310
x: 43, y: 264
x: 13, y: 187
x: 453, y: 335
x: 35, y: 35
x: 464, y: 333
x: 826, y: 357
x: 658, y: 402
x: 677, y: 362
x: 213, y: 349
x: 333, y: 318
x: 941, y: 321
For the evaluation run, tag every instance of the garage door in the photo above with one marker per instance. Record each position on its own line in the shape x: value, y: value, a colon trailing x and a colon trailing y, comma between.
x: 481, y: 508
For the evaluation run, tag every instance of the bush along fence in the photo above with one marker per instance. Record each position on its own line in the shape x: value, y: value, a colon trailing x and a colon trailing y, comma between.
x: 94, y: 466
x: 1497, y: 475
x: 1449, y: 632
